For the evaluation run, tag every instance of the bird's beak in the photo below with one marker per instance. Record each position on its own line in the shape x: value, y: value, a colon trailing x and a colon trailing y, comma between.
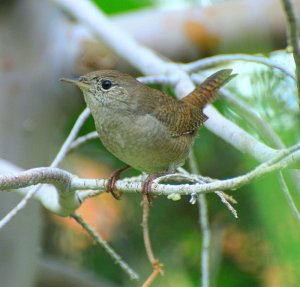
x: 75, y: 81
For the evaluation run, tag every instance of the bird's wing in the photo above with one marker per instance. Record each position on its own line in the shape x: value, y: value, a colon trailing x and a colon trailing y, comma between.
x: 180, y: 118
x: 184, y: 116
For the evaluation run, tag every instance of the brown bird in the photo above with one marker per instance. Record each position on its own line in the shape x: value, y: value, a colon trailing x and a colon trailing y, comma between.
x: 142, y: 126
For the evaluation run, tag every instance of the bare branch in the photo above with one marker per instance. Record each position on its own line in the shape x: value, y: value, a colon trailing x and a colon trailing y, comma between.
x: 58, y: 177
x: 288, y: 196
x: 221, y: 59
x: 10, y: 215
x: 66, y: 181
x: 147, y: 241
x: 83, y: 139
x: 39, y: 176
x: 71, y: 137
x: 100, y: 241
x: 261, y: 126
x: 203, y: 218
x: 224, y: 200
x: 156, y: 265
x: 151, y: 278
x: 205, y: 228
x: 293, y: 37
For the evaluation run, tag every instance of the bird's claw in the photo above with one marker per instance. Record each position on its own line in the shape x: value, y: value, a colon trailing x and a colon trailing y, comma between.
x: 111, y: 182
x: 147, y: 184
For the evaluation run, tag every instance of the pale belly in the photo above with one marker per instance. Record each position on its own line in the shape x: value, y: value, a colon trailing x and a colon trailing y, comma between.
x: 143, y: 143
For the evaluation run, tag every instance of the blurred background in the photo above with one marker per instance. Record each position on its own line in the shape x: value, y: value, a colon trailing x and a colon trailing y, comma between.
x: 39, y: 43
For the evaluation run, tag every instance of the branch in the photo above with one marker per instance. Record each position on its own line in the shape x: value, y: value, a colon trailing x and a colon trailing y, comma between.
x: 10, y: 215
x: 83, y: 139
x: 221, y: 59
x: 71, y: 137
x: 288, y: 195
x: 72, y: 185
x: 261, y: 126
x: 203, y: 218
x: 293, y: 37
x: 59, y: 157
x: 225, y: 198
x: 205, y: 228
x: 156, y: 265
x: 61, y: 179
x: 100, y: 241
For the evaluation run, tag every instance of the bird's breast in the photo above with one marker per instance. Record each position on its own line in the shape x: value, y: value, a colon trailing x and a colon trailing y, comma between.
x: 141, y: 141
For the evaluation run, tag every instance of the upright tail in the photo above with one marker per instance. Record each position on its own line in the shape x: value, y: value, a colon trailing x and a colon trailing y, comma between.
x: 208, y: 90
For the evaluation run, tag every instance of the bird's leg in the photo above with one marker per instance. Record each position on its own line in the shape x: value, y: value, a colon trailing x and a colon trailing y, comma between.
x: 146, y: 188
x: 111, y: 182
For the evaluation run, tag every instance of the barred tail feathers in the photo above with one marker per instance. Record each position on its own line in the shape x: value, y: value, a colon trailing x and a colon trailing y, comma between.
x: 207, y: 91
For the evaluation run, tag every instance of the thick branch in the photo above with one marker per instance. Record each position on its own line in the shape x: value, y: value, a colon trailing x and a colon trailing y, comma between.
x: 58, y: 177
x: 65, y: 181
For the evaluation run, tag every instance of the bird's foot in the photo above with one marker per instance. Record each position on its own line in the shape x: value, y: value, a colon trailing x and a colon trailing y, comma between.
x: 146, y: 188
x: 111, y: 182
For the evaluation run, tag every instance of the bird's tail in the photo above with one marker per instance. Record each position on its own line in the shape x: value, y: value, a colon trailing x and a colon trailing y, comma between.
x: 207, y: 91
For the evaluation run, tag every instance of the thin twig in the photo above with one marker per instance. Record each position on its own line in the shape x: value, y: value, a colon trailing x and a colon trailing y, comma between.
x: 99, y: 240
x: 205, y: 228
x: 288, y: 195
x: 146, y: 235
x: 156, y: 265
x: 83, y: 139
x: 59, y: 157
x: 152, y: 277
x: 262, y: 127
x: 293, y: 37
x: 224, y: 200
x: 221, y: 59
x: 228, y: 197
x: 203, y: 218
x: 10, y: 215
x: 265, y: 130
x: 71, y: 137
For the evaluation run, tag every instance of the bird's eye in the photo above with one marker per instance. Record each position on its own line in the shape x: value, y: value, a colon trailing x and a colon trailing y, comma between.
x: 106, y: 84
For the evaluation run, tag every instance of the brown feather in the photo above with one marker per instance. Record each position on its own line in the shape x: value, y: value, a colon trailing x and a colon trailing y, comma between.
x: 182, y: 117
x: 207, y: 91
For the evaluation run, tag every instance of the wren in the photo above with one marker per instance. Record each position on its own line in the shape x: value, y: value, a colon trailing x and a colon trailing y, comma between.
x: 144, y: 127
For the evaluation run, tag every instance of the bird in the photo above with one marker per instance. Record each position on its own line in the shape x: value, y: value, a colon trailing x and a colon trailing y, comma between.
x: 142, y: 126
